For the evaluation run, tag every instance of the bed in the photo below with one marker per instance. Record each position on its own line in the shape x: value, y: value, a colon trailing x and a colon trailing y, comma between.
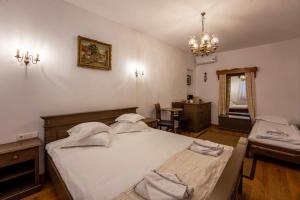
x: 126, y: 171
x: 276, y: 149
x: 238, y: 108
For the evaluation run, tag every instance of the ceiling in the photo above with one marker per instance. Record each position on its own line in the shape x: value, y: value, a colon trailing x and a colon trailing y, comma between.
x: 238, y: 23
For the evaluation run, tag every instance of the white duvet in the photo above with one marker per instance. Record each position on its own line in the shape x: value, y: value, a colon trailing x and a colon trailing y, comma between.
x: 261, y: 127
x: 100, y: 173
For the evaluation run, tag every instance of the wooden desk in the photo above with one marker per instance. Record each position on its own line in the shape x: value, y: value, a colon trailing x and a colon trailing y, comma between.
x: 173, y: 112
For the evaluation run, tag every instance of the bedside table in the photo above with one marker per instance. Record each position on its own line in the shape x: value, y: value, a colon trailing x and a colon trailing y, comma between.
x: 151, y: 122
x: 19, y: 169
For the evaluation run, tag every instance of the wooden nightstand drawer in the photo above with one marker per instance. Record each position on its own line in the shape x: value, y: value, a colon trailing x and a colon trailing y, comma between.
x: 17, y: 157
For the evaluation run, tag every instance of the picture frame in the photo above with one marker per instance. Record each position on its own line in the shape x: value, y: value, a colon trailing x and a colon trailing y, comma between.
x: 94, y: 54
x: 189, y: 79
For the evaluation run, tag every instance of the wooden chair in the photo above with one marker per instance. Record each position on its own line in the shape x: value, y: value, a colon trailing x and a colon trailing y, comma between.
x: 169, y: 124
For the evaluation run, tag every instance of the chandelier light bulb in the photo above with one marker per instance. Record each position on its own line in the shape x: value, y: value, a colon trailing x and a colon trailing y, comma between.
x: 208, y: 46
x: 215, y: 40
x: 196, y: 45
x: 205, y: 38
x: 192, y: 41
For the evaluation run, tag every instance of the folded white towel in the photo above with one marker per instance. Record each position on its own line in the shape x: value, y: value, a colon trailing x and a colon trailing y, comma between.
x: 163, y: 186
x: 292, y: 140
x: 208, y: 144
x: 277, y: 132
x: 206, y: 151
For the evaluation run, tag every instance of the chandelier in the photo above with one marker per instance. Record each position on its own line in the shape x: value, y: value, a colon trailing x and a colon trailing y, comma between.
x: 207, y: 44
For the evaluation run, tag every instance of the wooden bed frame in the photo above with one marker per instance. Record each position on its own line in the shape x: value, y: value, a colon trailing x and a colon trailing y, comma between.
x: 281, y: 153
x: 257, y: 148
x: 229, y: 185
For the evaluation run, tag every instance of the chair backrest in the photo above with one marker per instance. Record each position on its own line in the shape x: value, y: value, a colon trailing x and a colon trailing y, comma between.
x: 157, y: 111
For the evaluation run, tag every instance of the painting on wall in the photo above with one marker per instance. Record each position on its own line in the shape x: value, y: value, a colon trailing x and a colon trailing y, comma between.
x: 189, y: 79
x: 93, y: 54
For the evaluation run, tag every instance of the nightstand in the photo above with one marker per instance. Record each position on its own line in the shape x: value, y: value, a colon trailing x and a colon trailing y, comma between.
x: 151, y: 122
x: 19, y: 169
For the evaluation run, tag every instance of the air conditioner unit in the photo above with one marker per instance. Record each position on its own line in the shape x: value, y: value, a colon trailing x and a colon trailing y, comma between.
x: 202, y: 60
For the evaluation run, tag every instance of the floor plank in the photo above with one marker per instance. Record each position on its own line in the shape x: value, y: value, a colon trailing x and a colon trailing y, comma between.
x: 273, y: 180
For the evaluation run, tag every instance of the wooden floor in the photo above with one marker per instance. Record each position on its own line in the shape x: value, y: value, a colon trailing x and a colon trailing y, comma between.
x: 274, y: 180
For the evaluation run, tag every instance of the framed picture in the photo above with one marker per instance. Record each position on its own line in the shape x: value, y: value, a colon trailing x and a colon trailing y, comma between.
x: 189, y: 79
x: 93, y: 54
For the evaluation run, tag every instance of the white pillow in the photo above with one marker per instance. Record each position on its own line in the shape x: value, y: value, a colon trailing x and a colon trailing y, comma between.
x: 85, y: 130
x: 99, y: 139
x: 296, y: 129
x: 130, y: 117
x: 274, y: 119
x: 128, y: 127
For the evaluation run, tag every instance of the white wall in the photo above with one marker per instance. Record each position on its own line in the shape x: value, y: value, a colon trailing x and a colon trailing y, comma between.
x: 56, y: 85
x: 277, y: 82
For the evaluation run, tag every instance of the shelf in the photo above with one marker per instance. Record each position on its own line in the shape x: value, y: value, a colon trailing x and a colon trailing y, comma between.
x: 16, y: 170
x: 17, y: 174
x: 16, y: 186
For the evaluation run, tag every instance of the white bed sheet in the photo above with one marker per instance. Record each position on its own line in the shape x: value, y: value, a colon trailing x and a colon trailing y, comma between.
x: 262, y: 126
x: 99, y: 173
x: 237, y: 106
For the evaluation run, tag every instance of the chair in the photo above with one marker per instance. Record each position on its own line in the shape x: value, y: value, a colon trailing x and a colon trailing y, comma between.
x: 169, y: 124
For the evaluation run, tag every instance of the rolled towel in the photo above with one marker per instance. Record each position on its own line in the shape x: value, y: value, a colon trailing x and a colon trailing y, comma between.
x: 206, y: 151
x: 208, y: 144
x: 278, y: 133
x: 292, y: 140
x: 156, y: 186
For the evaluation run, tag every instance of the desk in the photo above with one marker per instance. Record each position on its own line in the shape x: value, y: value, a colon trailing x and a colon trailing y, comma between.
x: 173, y: 112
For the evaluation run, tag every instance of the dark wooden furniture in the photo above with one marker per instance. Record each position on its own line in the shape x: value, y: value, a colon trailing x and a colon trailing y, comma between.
x: 151, y: 122
x: 289, y: 155
x: 227, y: 187
x: 56, y: 126
x: 19, y: 169
x: 198, y: 116
x: 169, y: 124
x: 238, y: 123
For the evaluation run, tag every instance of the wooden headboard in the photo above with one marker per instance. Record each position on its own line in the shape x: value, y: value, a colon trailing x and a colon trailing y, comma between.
x: 56, y: 126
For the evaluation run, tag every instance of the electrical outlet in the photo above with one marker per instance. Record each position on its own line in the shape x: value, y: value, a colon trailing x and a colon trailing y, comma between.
x: 26, y: 136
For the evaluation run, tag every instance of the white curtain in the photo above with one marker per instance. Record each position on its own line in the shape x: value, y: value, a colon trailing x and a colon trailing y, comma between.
x: 222, y: 95
x: 251, y: 97
x: 241, y: 94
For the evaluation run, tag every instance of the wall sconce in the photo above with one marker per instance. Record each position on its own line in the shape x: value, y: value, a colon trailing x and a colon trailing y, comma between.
x: 139, y: 73
x: 26, y: 58
x: 205, y: 77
